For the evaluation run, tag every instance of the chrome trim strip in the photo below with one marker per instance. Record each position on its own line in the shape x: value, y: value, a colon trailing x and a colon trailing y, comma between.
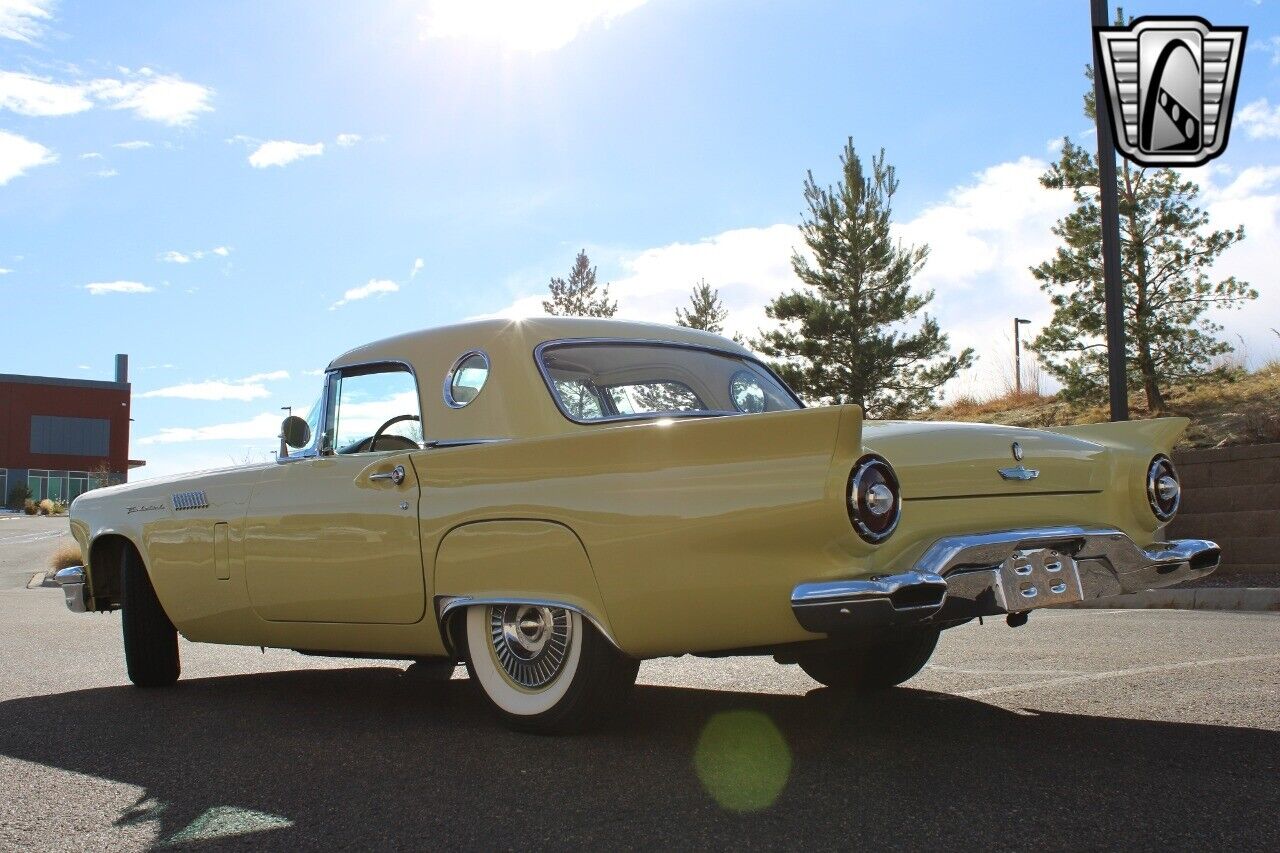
x: 443, y: 443
x: 448, y: 377
x: 1018, y: 472
x: 555, y: 398
x: 446, y: 604
x: 72, y: 581
x: 880, y: 586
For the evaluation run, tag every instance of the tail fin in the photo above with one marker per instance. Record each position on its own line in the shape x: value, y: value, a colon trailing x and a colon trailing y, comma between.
x: 1156, y: 434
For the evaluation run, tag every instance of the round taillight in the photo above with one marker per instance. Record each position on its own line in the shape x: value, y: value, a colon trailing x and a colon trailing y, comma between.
x: 1164, y: 492
x: 874, y: 499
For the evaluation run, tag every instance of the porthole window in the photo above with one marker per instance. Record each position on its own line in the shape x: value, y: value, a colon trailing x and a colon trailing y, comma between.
x: 466, y: 379
x: 746, y: 392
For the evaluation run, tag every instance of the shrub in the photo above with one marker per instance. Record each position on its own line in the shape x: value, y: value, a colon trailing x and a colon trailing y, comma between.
x: 46, y: 507
x: 18, y: 496
x: 29, y: 507
x: 67, y: 554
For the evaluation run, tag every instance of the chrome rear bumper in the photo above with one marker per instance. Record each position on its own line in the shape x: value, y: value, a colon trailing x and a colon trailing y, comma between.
x: 71, y: 580
x: 1012, y: 571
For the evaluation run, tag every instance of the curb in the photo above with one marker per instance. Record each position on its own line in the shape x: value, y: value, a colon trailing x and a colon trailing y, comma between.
x: 1246, y: 599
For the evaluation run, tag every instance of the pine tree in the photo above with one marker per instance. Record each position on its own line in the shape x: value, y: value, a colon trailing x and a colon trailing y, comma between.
x: 1166, y: 252
x: 577, y: 296
x: 706, y: 311
x: 848, y: 337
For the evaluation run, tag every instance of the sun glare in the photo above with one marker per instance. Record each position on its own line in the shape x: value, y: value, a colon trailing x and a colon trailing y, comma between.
x: 520, y: 24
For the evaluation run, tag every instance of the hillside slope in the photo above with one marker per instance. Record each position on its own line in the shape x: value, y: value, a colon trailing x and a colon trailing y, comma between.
x: 1244, y: 411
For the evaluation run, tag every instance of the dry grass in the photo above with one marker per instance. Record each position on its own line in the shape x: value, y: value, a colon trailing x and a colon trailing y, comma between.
x: 1244, y: 411
x: 66, y: 555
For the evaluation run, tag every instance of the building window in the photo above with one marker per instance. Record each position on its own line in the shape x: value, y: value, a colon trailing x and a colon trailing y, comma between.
x: 4, y: 486
x: 70, y: 436
x: 77, y: 484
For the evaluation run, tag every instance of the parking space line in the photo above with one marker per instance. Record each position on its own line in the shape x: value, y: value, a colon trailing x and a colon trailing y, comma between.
x: 1115, y: 673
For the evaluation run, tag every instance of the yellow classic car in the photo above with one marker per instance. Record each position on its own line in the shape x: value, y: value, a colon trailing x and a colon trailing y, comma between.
x: 550, y: 501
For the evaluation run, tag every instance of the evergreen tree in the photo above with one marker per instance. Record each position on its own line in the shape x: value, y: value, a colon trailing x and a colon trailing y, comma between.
x: 577, y: 296
x: 1166, y: 252
x: 705, y: 311
x: 852, y: 335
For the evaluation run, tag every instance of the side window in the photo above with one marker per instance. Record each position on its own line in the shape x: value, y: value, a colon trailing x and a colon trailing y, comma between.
x: 375, y: 409
x: 466, y: 379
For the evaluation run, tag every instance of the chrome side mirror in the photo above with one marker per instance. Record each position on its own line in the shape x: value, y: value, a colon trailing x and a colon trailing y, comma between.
x: 294, y: 432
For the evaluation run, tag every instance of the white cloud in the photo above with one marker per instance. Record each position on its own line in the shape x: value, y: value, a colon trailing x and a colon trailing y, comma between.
x: 1261, y: 120
x: 263, y: 426
x: 91, y: 155
x: 165, y: 98
x: 374, y: 287
x: 19, y: 154
x: 176, y: 257
x: 982, y: 239
x: 132, y: 144
x: 23, y: 20
x: 4, y: 271
x: 1272, y: 46
x: 281, y: 152
x: 28, y: 95
x: 346, y: 140
x: 99, y: 288
x: 417, y: 268
x: 106, y: 173
x: 248, y: 388
x: 519, y: 24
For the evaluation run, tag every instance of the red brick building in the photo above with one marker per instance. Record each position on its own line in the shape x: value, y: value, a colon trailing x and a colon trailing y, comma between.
x: 60, y: 437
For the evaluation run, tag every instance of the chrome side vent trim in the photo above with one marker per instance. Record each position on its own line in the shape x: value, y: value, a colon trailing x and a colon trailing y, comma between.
x: 190, y: 500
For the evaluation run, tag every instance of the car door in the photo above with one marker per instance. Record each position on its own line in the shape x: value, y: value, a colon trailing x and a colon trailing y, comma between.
x: 331, y: 535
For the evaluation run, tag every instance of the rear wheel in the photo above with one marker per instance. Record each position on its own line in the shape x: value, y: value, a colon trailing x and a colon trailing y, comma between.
x: 871, y: 667
x: 150, y: 640
x: 545, y: 670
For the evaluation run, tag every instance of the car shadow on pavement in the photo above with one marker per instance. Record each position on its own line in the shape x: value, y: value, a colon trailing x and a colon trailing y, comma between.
x: 373, y: 757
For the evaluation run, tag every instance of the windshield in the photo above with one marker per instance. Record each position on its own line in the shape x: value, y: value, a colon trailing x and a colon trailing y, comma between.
x: 596, y: 381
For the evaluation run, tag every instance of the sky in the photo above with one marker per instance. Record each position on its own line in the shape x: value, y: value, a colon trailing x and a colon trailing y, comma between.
x: 235, y: 193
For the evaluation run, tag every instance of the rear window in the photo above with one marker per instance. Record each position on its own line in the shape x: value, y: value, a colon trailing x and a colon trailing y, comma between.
x: 596, y: 381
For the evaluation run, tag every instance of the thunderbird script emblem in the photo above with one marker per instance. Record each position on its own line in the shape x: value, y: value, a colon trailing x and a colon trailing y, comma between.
x: 1171, y: 87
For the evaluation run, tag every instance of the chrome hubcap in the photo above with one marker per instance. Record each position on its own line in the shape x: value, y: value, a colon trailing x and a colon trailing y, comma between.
x: 530, y: 642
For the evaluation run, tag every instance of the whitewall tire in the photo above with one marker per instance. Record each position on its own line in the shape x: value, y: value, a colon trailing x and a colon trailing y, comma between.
x: 544, y: 669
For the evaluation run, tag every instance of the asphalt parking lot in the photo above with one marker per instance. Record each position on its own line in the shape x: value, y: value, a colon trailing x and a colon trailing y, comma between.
x: 1084, y: 729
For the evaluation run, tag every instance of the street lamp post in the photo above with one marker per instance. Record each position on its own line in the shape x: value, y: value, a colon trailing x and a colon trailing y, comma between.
x: 1017, y: 353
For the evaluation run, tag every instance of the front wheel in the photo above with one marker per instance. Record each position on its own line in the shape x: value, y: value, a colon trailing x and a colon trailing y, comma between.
x: 544, y: 669
x: 871, y: 667
x: 150, y: 640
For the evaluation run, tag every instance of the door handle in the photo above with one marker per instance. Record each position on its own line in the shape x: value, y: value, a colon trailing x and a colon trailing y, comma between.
x: 395, y: 475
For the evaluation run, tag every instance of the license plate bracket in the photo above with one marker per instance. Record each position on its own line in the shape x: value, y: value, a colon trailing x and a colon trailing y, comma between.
x: 1038, y: 577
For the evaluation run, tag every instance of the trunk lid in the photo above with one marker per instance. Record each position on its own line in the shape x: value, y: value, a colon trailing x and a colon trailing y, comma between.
x: 951, y: 460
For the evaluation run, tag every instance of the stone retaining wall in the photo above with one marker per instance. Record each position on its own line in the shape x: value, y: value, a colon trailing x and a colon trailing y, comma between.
x: 1232, y: 496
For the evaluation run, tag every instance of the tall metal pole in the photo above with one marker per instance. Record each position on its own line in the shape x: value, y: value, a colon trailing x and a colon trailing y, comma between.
x: 1116, y: 375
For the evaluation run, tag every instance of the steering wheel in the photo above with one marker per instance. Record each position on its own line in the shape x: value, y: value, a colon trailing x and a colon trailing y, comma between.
x: 373, y: 442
